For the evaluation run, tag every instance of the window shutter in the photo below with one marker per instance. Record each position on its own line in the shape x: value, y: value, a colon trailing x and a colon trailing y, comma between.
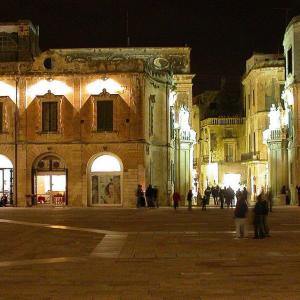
x: 45, y: 116
x: 105, y: 115
x: 53, y: 116
x: 49, y: 116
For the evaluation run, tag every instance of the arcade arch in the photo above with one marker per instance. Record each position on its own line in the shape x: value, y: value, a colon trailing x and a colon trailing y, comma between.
x: 6, y: 179
x: 50, y: 177
x: 105, y: 180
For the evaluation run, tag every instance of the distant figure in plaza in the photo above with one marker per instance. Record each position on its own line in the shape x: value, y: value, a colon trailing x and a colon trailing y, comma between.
x: 298, y: 193
x: 176, y: 199
x: 230, y: 193
x: 204, y: 202
x: 149, y: 196
x: 238, y: 194
x: 285, y: 191
x: 221, y: 198
x: 199, y: 199
x: 240, y: 213
x: 269, y: 197
x: 3, y: 201
x: 265, y: 214
x: 139, y: 196
x: 245, y: 194
x: 207, y: 193
x: 258, y: 219
x: 155, y: 196
x: 189, y: 199
x: 215, y: 194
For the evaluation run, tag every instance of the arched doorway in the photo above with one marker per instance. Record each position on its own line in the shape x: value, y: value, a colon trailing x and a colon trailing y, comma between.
x: 6, y: 179
x: 50, y: 177
x: 106, y: 174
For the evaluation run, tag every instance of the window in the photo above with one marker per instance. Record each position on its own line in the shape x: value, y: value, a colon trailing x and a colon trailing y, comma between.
x: 228, y: 132
x: 254, y: 142
x: 105, y: 115
x: 253, y: 98
x: 49, y: 116
x: 228, y: 149
x: 1, y: 116
x: 213, y: 141
x: 290, y: 61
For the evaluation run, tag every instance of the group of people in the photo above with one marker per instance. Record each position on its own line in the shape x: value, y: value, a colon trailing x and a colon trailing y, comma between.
x: 260, y: 216
x: 222, y: 196
x: 151, y: 199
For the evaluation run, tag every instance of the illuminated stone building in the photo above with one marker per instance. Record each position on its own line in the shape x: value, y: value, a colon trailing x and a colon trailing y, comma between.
x: 84, y: 127
x: 263, y: 84
x: 220, y: 141
x: 287, y: 131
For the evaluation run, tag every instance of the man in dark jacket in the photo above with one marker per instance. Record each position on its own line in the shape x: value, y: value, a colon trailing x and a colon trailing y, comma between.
x: 260, y: 210
x: 240, y: 214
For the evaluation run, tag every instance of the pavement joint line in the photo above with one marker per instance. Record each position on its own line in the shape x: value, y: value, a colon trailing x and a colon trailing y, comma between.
x: 38, y: 261
x: 93, y: 230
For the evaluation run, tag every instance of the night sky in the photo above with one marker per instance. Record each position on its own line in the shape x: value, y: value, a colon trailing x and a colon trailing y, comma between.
x: 222, y: 34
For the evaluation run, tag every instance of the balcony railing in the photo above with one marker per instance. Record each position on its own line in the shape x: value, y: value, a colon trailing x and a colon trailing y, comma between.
x: 250, y: 156
x: 222, y: 121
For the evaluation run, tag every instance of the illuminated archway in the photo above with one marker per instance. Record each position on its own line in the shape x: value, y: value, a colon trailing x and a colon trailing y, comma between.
x: 6, y: 179
x: 105, y: 180
x: 50, y: 180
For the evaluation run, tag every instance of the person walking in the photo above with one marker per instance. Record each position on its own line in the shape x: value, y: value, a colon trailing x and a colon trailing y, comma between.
x: 214, y: 193
x: 221, y: 197
x: 176, y: 199
x: 240, y: 213
x: 265, y: 214
x: 204, y: 201
x: 259, y: 211
x: 139, y: 194
x: 298, y: 193
x: 189, y: 199
x: 149, y: 196
x: 245, y: 194
x: 207, y: 193
x: 155, y: 196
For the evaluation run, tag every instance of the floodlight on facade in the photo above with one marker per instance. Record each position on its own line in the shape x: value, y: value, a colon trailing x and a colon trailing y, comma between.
x: 111, y: 86
x: 8, y: 90
x: 56, y: 87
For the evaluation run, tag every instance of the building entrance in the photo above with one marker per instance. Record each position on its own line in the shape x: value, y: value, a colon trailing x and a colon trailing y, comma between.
x: 106, y: 181
x: 50, y: 181
x: 6, y: 180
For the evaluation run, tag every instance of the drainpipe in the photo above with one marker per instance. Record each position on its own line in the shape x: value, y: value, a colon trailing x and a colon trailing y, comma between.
x: 167, y: 140
x: 16, y: 144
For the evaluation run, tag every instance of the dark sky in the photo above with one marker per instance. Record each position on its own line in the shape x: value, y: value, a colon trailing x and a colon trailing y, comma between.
x: 222, y: 34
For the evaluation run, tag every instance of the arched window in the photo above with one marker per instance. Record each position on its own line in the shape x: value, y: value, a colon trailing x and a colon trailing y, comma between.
x: 106, y: 180
x: 5, y: 162
x: 106, y: 163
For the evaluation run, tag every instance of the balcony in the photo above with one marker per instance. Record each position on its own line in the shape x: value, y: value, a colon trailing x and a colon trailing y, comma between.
x: 222, y: 121
x: 250, y: 156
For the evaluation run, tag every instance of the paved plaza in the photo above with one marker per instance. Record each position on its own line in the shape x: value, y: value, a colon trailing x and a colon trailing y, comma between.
x: 89, y: 253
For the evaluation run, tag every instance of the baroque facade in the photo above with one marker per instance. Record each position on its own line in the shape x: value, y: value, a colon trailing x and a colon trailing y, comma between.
x: 84, y: 127
x: 220, y: 144
x: 263, y: 83
x: 269, y: 153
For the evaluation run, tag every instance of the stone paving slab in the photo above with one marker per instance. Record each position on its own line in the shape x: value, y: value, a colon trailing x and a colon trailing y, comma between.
x: 165, y: 255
